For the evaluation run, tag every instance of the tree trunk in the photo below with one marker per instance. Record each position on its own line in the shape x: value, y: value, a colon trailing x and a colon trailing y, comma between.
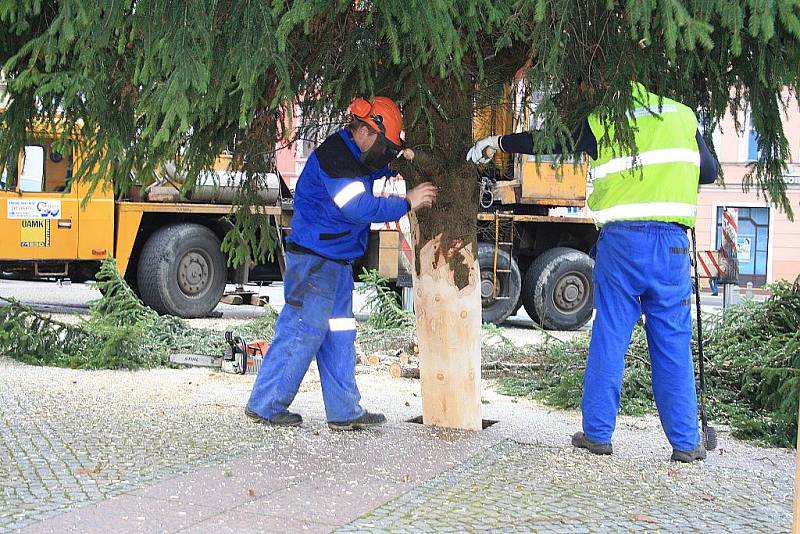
x: 446, y: 275
x: 449, y: 336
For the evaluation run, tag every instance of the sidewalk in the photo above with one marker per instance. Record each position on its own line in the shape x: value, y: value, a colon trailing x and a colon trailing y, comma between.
x: 169, y: 450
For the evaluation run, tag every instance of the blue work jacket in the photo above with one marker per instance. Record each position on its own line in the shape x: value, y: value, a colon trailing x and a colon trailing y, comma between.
x: 333, y: 202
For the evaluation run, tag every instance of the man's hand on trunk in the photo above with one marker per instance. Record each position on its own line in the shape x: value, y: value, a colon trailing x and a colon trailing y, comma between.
x: 422, y: 196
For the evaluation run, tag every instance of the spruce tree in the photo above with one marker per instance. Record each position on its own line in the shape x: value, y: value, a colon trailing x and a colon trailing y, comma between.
x: 148, y: 81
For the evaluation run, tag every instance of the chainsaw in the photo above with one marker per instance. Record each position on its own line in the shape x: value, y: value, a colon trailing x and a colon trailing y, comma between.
x: 239, y: 357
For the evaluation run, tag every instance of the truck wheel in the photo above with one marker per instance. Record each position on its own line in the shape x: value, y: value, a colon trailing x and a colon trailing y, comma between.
x: 557, y: 290
x: 496, y: 310
x: 182, y: 271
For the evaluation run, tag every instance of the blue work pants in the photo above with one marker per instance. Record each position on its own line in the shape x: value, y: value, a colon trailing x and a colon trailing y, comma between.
x: 316, y: 321
x: 642, y: 267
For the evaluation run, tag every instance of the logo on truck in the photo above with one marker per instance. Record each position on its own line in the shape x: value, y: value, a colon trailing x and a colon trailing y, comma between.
x: 34, y: 208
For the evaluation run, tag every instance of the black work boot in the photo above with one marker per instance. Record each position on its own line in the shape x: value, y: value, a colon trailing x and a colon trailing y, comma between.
x: 282, y: 419
x: 698, y: 453
x: 580, y: 441
x: 365, y: 420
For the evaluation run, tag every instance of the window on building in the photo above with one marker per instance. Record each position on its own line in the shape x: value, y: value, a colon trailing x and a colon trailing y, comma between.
x: 752, y: 243
x: 752, y: 144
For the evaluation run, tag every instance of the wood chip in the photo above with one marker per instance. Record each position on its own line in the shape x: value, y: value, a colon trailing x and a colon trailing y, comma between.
x: 395, y: 370
x: 88, y: 471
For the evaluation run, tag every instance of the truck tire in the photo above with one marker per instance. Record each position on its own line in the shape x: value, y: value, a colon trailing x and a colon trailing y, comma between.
x: 495, y: 310
x: 182, y: 271
x: 557, y: 290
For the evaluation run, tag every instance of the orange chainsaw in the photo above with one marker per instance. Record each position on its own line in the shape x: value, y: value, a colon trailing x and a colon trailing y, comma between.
x: 240, y: 357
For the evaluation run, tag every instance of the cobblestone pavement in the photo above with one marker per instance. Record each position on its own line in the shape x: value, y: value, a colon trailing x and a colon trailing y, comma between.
x: 167, y: 449
x: 514, y: 487
x: 69, y: 438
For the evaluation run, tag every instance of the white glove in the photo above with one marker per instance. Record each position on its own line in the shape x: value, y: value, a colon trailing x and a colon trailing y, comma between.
x: 484, y: 150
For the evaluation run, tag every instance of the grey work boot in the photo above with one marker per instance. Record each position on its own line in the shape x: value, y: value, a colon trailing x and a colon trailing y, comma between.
x: 282, y: 419
x: 365, y: 420
x: 580, y: 441
x: 698, y: 453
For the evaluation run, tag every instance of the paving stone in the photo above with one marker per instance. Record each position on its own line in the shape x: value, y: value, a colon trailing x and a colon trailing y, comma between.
x: 79, y: 444
x: 572, y: 491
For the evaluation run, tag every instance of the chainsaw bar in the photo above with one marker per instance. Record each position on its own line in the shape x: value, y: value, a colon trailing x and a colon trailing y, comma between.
x: 197, y: 360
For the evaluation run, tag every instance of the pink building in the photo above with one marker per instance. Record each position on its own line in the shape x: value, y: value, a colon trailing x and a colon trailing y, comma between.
x: 769, y: 243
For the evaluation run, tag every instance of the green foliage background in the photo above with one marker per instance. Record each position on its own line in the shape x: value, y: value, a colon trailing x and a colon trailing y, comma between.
x: 120, y: 332
x: 158, y: 80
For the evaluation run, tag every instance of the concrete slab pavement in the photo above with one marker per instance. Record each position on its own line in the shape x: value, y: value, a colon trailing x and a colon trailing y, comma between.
x: 203, y: 467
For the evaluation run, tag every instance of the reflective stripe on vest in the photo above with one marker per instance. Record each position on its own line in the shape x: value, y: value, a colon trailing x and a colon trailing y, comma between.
x: 653, y: 157
x: 348, y: 193
x: 644, y: 211
x: 660, y: 182
x: 341, y: 324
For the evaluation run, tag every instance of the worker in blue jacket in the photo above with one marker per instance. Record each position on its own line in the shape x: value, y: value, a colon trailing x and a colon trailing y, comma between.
x: 333, y: 209
x: 643, y: 204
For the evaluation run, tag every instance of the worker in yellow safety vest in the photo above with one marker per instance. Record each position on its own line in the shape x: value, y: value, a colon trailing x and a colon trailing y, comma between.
x: 643, y: 204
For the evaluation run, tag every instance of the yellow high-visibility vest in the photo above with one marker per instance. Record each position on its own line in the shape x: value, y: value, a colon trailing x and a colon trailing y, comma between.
x: 660, y: 182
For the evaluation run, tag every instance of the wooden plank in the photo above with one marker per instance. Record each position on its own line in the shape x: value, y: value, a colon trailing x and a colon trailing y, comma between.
x: 235, y: 300
x: 184, y: 207
x: 383, y: 252
x: 508, y: 192
x: 449, y: 337
x: 539, y: 218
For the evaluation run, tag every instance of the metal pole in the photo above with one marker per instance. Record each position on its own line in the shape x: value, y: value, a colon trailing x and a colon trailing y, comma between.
x: 700, y: 356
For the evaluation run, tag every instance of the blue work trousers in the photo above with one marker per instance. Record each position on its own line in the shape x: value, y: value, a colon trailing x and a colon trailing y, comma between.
x: 317, y: 320
x: 642, y: 267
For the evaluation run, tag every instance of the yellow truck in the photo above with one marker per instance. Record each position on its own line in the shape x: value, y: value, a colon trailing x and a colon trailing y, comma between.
x: 534, y: 238
x: 168, y: 250
x: 167, y: 247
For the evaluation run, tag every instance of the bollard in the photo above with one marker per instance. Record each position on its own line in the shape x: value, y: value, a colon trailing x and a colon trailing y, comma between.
x: 730, y: 295
x: 408, y: 299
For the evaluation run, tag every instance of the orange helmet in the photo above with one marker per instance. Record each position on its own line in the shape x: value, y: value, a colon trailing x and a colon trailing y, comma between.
x: 382, y: 115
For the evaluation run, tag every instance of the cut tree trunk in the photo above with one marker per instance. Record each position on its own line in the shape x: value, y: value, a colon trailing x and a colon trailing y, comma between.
x: 446, y: 278
x: 398, y: 370
x: 449, y: 336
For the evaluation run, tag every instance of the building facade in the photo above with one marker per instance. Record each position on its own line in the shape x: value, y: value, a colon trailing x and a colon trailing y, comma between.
x: 768, y: 241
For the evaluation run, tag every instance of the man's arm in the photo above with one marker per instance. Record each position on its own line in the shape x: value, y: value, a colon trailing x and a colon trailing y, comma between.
x: 708, y: 165
x: 585, y: 141
x: 359, y: 205
x: 522, y: 143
